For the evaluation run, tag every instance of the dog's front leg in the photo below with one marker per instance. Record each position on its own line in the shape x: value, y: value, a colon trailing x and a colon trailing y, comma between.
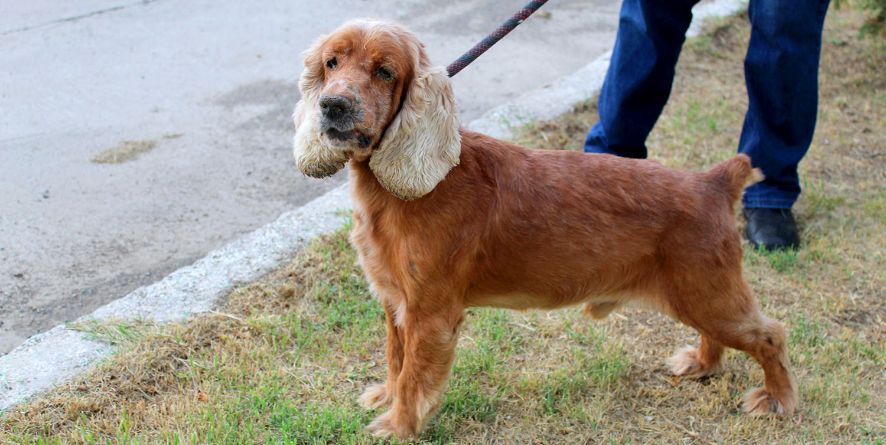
x: 429, y: 339
x: 383, y: 393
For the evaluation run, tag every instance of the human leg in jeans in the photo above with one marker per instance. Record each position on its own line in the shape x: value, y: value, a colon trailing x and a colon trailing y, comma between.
x: 641, y: 71
x: 781, y: 73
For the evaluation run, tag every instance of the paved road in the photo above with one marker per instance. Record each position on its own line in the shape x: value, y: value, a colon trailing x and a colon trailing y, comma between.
x: 208, y: 86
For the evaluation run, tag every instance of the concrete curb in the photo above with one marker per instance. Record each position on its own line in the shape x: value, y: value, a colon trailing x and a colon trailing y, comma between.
x: 546, y: 102
x: 196, y: 288
x: 55, y: 356
x: 49, y: 359
x: 46, y: 360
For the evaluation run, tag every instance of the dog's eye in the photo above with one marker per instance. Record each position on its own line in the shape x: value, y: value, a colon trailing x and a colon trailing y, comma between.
x: 384, y: 73
x: 332, y: 63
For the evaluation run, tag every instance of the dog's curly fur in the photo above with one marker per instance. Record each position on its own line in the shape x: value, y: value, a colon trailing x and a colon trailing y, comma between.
x: 446, y: 219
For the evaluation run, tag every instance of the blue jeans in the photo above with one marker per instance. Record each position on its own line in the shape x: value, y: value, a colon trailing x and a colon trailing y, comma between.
x: 781, y: 74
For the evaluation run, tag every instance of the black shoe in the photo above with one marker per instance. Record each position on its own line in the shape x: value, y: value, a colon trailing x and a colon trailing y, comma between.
x: 771, y: 229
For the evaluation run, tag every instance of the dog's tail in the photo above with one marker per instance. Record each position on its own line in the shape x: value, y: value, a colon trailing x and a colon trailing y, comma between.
x: 734, y: 174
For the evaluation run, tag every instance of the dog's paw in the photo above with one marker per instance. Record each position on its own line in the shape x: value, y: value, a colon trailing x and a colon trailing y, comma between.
x: 389, y: 425
x: 381, y: 427
x: 685, y: 363
x: 758, y: 402
x: 375, y: 396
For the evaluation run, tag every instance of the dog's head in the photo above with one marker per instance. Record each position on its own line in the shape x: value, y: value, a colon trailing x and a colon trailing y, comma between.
x: 369, y: 92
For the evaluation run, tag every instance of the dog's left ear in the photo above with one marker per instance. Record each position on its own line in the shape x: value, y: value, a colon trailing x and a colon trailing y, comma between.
x: 422, y: 142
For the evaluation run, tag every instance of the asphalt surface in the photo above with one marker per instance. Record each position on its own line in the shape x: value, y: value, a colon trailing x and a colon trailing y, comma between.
x: 209, y: 86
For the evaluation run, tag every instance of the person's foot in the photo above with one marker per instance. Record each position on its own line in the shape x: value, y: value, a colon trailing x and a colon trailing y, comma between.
x: 771, y: 229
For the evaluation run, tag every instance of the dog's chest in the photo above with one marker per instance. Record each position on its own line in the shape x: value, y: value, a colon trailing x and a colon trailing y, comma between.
x: 382, y: 258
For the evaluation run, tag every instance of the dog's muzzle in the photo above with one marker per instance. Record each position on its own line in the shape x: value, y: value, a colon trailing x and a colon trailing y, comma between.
x: 338, y: 120
x: 336, y: 108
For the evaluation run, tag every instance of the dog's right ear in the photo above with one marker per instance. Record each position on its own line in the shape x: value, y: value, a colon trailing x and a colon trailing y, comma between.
x: 311, y: 81
x: 313, y: 157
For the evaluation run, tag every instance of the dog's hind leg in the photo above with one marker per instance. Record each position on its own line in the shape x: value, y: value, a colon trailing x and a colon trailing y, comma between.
x: 765, y: 340
x: 383, y: 393
x: 733, y: 319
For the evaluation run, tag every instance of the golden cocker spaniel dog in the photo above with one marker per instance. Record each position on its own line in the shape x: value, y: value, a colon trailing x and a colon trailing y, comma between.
x: 446, y: 219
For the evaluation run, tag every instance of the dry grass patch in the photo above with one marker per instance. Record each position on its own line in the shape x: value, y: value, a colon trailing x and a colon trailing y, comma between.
x: 124, y: 151
x: 284, y: 360
x: 129, y: 150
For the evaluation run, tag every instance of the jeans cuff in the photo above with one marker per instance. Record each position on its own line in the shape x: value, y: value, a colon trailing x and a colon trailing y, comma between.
x: 767, y: 203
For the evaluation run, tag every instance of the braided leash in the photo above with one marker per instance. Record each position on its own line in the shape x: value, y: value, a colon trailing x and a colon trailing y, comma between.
x: 491, y: 39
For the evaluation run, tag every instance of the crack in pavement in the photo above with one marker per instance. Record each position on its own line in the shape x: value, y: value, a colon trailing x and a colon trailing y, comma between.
x: 76, y: 17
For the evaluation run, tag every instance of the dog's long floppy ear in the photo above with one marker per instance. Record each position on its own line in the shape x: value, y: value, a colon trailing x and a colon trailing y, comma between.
x: 313, y: 156
x: 422, y: 142
x: 310, y: 83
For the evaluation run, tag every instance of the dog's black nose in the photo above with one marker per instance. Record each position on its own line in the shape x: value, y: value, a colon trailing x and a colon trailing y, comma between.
x: 335, y: 107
